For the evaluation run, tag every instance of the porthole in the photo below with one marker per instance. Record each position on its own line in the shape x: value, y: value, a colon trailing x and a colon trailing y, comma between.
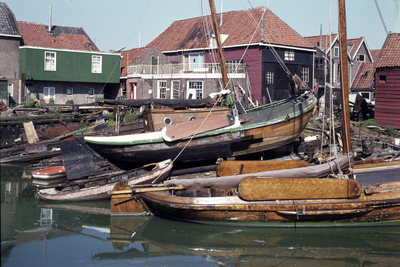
x: 192, y: 118
x: 167, y: 121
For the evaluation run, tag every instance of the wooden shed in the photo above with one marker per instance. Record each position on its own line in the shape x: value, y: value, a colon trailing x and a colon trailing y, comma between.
x: 387, y: 83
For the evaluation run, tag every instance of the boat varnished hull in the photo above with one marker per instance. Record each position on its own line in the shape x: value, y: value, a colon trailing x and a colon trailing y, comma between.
x: 381, y: 208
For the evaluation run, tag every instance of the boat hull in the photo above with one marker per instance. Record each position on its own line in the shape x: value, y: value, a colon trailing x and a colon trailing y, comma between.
x: 50, y: 173
x: 102, y: 191
x: 262, y: 128
x: 378, y: 205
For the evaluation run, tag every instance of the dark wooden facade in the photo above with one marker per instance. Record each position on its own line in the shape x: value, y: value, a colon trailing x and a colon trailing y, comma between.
x: 387, y: 97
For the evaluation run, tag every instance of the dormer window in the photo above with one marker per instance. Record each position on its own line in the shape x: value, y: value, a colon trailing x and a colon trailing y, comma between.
x: 361, y: 58
x: 213, y: 41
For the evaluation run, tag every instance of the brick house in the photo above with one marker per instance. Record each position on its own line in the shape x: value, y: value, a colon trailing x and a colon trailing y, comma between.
x: 251, y: 39
x: 9, y: 57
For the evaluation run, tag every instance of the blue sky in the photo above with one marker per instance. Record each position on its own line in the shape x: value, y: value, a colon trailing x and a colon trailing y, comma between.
x: 114, y: 24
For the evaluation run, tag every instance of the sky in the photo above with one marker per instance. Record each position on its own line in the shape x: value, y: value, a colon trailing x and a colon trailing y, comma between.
x: 127, y: 24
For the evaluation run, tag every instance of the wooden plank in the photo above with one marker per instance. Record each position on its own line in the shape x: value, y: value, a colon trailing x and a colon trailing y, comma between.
x: 260, y: 188
x: 31, y: 133
x: 233, y: 167
x: 189, y: 128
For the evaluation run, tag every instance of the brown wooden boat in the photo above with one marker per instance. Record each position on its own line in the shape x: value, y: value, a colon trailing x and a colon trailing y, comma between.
x: 300, y: 198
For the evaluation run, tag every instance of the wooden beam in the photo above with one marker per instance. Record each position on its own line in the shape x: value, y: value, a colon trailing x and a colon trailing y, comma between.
x: 260, y: 188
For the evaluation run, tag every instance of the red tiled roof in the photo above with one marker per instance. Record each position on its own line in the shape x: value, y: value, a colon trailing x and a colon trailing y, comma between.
x: 238, y: 25
x: 315, y: 40
x: 356, y: 43
x: 390, y: 54
x: 34, y: 34
x: 375, y: 54
x: 364, y: 76
x: 129, y: 57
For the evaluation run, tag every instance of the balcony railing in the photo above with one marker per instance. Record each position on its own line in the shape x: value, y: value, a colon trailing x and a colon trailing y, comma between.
x: 169, y: 69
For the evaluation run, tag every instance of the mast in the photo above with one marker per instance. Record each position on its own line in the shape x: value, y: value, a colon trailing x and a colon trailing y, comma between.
x: 344, y: 76
x: 219, y: 46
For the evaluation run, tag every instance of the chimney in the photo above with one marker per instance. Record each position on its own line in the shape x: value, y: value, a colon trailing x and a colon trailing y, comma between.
x: 222, y: 6
x: 49, y: 29
x: 320, y: 36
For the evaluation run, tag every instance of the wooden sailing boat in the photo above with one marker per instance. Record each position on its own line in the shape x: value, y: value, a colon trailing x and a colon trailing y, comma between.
x: 253, y: 130
x: 285, y: 198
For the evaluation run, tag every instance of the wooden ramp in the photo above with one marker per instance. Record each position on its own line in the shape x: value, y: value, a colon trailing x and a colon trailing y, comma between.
x: 260, y: 188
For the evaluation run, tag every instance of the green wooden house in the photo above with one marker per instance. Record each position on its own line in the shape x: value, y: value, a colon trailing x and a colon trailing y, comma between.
x: 59, y: 64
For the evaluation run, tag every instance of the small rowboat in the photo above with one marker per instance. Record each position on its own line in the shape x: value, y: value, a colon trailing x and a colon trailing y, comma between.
x: 98, y: 186
x: 50, y: 173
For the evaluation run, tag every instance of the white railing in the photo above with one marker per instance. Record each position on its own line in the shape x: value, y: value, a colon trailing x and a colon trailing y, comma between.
x: 182, y: 68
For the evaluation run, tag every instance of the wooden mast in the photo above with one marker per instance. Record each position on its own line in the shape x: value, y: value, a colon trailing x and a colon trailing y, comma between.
x: 344, y: 76
x: 219, y: 46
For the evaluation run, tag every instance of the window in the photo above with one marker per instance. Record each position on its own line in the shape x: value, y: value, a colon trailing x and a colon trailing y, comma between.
x: 175, y: 89
x: 162, y: 89
x: 96, y: 64
x: 382, y: 78
x: 48, y: 92
x: 289, y: 55
x: 365, y: 73
x: 91, y: 91
x: 195, y: 89
x: 269, y: 77
x: 154, y: 65
x: 10, y: 90
x: 69, y: 91
x: 50, y: 61
x: 195, y: 61
x: 319, y: 64
x: 305, y: 75
x: 361, y: 58
x: 336, y: 51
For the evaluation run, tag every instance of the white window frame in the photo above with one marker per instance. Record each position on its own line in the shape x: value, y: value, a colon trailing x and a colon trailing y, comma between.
x: 50, y: 61
x: 289, y: 55
x: 196, y: 61
x: 194, y: 89
x: 269, y: 77
x: 363, y: 58
x: 155, y: 62
x: 71, y: 89
x: 305, y: 75
x: 10, y: 89
x: 49, y: 92
x: 336, y: 51
x: 175, y: 89
x: 97, y: 64
x: 162, y: 89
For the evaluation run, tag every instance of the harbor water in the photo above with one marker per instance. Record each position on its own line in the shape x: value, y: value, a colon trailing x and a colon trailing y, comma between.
x: 38, y: 233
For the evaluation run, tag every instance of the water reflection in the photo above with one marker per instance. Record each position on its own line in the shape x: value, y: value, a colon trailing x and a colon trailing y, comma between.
x: 44, y: 233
